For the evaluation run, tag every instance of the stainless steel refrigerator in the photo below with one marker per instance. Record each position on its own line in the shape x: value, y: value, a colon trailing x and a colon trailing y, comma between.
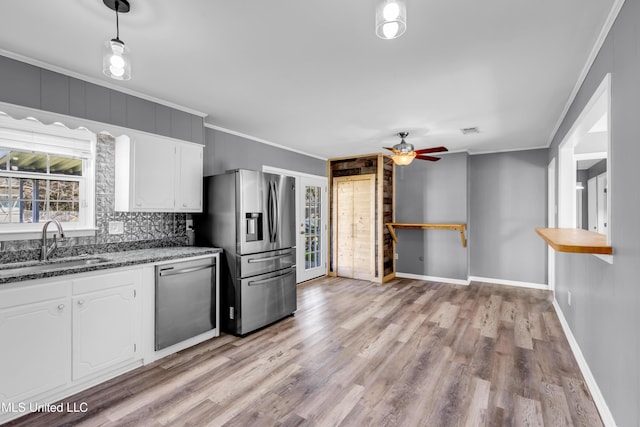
x: 251, y: 216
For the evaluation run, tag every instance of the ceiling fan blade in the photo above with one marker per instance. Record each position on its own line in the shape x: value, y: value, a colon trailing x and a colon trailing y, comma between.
x: 390, y: 149
x: 430, y: 158
x: 431, y: 150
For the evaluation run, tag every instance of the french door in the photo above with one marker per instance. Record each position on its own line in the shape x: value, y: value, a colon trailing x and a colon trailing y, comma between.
x: 312, y: 228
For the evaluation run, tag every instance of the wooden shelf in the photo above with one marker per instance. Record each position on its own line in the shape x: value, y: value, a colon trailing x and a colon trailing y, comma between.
x: 575, y: 240
x: 458, y: 227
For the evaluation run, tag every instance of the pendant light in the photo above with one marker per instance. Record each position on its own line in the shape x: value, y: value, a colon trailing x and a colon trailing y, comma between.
x: 115, y: 59
x: 391, y: 18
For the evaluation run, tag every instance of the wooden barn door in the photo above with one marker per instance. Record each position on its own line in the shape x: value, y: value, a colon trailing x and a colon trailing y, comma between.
x: 354, y: 226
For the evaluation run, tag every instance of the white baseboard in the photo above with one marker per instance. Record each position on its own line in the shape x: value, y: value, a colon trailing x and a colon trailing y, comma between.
x: 598, y: 398
x: 432, y: 278
x: 509, y: 282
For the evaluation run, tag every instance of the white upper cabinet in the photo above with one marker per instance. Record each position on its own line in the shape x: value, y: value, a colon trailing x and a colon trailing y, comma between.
x: 157, y: 174
x: 189, y: 190
x: 153, y: 175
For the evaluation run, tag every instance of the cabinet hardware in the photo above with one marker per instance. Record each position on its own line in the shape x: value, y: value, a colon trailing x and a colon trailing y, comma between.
x: 61, y: 307
x: 80, y: 302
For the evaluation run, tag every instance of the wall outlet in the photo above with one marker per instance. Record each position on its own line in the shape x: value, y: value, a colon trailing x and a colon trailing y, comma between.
x: 569, y: 297
x: 396, y: 255
x: 116, y: 227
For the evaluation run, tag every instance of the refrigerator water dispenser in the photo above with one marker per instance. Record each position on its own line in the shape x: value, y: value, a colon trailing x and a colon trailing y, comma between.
x: 254, y: 226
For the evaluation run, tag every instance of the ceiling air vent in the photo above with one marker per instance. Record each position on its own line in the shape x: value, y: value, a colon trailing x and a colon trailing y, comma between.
x: 466, y: 131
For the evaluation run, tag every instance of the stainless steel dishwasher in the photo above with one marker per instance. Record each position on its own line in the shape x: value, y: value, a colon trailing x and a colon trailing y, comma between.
x: 185, y: 300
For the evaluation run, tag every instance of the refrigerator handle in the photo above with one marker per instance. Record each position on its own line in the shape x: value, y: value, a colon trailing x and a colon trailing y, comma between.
x: 270, y: 213
x: 276, y: 209
x: 271, y: 279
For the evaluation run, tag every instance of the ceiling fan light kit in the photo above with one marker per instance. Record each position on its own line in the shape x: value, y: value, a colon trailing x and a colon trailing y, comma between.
x: 403, y: 159
x: 391, y: 18
x: 404, y: 153
x: 115, y: 59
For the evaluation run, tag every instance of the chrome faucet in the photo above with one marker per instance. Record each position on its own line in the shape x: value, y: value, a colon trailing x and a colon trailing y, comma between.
x: 45, y: 251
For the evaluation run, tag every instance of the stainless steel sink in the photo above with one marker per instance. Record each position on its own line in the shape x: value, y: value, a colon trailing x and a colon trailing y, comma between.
x: 37, y: 266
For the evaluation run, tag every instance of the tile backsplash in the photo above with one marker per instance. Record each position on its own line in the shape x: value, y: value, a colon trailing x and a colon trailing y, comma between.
x: 140, y: 230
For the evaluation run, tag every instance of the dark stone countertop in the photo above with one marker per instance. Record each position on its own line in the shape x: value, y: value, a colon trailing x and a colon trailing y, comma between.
x: 9, y: 273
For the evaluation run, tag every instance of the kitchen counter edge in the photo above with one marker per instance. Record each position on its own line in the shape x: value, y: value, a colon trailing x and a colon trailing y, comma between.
x: 114, y: 260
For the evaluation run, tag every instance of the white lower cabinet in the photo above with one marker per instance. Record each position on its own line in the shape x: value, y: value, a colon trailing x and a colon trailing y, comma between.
x: 62, y: 335
x: 35, y: 332
x: 58, y: 337
x: 106, y: 321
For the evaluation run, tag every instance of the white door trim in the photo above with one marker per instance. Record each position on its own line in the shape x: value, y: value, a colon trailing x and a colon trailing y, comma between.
x: 551, y: 222
x: 273, y: 169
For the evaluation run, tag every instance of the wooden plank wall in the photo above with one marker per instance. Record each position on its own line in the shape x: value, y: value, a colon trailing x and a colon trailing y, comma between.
x: 388, y: 215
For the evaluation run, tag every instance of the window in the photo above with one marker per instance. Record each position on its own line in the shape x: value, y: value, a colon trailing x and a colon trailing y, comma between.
x: 44, y: 175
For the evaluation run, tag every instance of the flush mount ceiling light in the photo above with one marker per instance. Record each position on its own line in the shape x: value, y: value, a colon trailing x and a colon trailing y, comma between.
x: 115, y: 60
x: 391, y: 18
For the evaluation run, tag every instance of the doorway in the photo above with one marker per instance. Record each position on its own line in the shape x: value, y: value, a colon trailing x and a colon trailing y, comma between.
x: 354, y: 226
x: 311, y: 223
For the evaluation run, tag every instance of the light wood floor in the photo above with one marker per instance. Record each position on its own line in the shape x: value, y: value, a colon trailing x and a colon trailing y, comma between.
x: 357, y: 353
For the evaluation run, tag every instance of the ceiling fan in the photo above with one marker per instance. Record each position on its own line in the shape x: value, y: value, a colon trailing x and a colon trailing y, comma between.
x: 404, y: 153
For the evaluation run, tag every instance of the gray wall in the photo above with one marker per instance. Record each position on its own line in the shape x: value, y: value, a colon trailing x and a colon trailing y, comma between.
x: 224, y: 151
x: 30, y: 86
x: 507, y: 201
x: 597, y: 169
x: 605, y: 311
x: 432, y: 192
x: 583, y: 177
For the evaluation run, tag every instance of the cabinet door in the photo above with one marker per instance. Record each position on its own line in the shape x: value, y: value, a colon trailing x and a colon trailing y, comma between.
x: 36, y: 342
x: 154, y: 175
x: 189, y: 187
x: 354, y: 242
x: 105, y: 329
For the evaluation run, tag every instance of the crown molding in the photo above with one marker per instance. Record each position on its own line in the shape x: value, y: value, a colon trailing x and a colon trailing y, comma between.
x: 98, y: 82
x: 260, y: 140
x: 604, y: 32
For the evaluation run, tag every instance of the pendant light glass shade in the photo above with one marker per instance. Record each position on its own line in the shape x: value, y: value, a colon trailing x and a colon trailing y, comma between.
x: 391, y: 18
x: 403, y: 159
x: 115, y: 57
x: 115, y: 60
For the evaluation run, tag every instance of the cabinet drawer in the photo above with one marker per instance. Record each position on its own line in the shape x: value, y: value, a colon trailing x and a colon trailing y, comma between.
x: 29, y: 294
x: 105, y: 280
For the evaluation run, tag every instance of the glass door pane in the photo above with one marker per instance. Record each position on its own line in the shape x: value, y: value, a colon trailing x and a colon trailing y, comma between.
x: 313, y: 222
